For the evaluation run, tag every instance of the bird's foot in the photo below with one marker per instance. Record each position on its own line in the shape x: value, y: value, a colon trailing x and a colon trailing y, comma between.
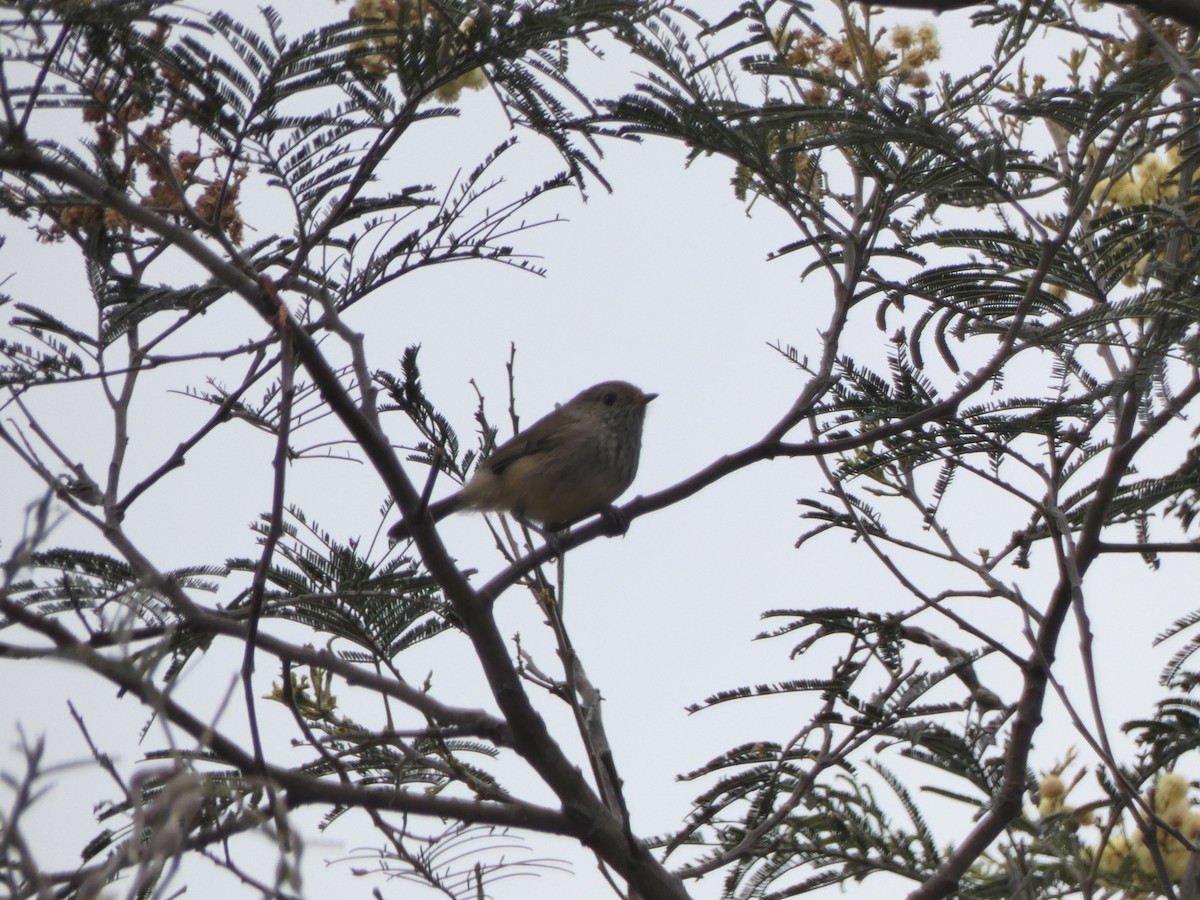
x: 616, y: 523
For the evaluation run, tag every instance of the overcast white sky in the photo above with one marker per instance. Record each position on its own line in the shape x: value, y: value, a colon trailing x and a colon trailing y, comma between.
x: 663, y: 283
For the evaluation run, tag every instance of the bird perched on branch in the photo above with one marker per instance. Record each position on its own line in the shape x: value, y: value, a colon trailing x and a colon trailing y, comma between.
x: 567, y: 465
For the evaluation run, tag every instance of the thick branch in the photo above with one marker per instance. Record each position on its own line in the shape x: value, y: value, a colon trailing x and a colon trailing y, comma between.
x: 1149, y: 547
x: 1185, y: 11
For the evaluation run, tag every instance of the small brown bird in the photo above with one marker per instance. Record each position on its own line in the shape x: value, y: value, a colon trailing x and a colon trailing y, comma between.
x: 567, y: 465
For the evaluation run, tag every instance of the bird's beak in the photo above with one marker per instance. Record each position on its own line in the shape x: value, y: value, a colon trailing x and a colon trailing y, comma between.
x: 646, y: 398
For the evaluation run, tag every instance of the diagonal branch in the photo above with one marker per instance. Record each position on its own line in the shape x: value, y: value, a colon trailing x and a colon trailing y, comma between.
x: 1186, y: 12
x: 1007, y: 803
x: 302, y: 789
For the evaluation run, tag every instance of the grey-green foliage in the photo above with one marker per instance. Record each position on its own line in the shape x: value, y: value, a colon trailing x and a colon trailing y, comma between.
x: 1026, y: 242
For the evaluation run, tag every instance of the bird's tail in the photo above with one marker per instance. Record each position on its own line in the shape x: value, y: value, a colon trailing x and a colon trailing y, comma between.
x: 402, y: 531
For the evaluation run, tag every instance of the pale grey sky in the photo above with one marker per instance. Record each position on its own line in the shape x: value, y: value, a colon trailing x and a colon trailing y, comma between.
x: 664, y: 283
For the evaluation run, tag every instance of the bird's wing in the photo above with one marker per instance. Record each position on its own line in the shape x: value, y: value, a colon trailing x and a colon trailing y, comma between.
x: 531, y: 440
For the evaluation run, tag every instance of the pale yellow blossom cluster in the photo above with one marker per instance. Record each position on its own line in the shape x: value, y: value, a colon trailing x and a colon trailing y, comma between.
x: 1154, y: 177
x: 916, y: 49
x: 379, y: 63
x: 1127, y: 858
x: 393, y: 19
x: 1133, y: 860
x: 1053, y: 792
x: 313, y: 699
x: 857, y: 54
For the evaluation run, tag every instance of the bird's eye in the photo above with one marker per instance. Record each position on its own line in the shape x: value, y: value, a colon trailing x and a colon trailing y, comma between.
x: 609, y: 399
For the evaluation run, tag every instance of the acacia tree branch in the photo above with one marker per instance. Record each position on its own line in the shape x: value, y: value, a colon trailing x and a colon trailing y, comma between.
x: 531, y: 737
x: 829, y: 755
x: 1148, y: 547
x: 179, y: 455
x: 1185, y: 11
x: 12, y: 839
x: 1007, y: 803
x: 279, y: 467
x: 591, y: 821
x: 771, y: 446
x: 584, y: 699
x: 302, y: 789
x: 419, y: 865
x: 462, y: 720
